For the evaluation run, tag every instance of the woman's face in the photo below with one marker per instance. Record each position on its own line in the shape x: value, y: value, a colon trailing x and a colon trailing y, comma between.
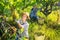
x: 24, y: 17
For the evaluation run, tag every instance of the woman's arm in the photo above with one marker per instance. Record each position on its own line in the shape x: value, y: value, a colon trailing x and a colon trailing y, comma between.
x: 19, y: 25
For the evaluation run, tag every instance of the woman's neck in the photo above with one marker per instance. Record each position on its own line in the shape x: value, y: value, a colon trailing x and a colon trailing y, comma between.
x: 23, y: 20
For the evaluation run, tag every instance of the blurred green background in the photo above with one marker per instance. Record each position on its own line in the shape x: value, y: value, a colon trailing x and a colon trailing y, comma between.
x: 49, y: 29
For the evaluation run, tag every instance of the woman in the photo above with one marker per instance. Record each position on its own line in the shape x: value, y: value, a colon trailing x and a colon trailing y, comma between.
x: 22, y: 23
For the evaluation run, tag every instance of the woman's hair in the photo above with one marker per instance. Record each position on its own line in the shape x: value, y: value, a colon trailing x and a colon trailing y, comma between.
x: 27, y: 14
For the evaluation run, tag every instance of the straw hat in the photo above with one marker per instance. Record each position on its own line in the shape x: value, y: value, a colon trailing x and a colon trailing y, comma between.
x: 27, y: 14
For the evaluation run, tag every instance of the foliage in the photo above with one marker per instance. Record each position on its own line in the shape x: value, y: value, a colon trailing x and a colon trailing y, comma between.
x: 11, y: 10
